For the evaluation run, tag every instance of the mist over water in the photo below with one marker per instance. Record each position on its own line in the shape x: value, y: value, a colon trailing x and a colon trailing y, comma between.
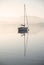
x: 12, y: 45
x: 11, y: 42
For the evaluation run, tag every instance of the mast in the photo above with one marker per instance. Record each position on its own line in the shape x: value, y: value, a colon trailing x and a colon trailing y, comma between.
x: 24, y: 15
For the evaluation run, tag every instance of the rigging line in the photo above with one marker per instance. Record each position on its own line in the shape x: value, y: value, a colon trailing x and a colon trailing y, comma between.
x: 25, y: 14
x: 26, y: 17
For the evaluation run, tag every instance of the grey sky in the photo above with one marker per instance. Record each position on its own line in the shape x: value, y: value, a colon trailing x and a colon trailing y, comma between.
x: 12, y: 8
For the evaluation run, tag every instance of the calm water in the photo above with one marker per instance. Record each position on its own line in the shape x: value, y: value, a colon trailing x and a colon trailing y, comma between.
x: 12, y: 46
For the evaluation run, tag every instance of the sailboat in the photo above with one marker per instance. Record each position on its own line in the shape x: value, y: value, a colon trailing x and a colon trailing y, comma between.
x: 23, y: 28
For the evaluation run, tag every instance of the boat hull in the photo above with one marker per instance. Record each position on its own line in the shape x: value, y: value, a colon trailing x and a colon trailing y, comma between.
x: 22, y: 29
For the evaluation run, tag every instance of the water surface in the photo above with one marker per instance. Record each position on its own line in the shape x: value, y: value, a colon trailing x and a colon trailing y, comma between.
x: 12, y: 46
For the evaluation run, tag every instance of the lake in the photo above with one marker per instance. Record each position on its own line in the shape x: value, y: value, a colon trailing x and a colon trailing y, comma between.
x: 12, y: 46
